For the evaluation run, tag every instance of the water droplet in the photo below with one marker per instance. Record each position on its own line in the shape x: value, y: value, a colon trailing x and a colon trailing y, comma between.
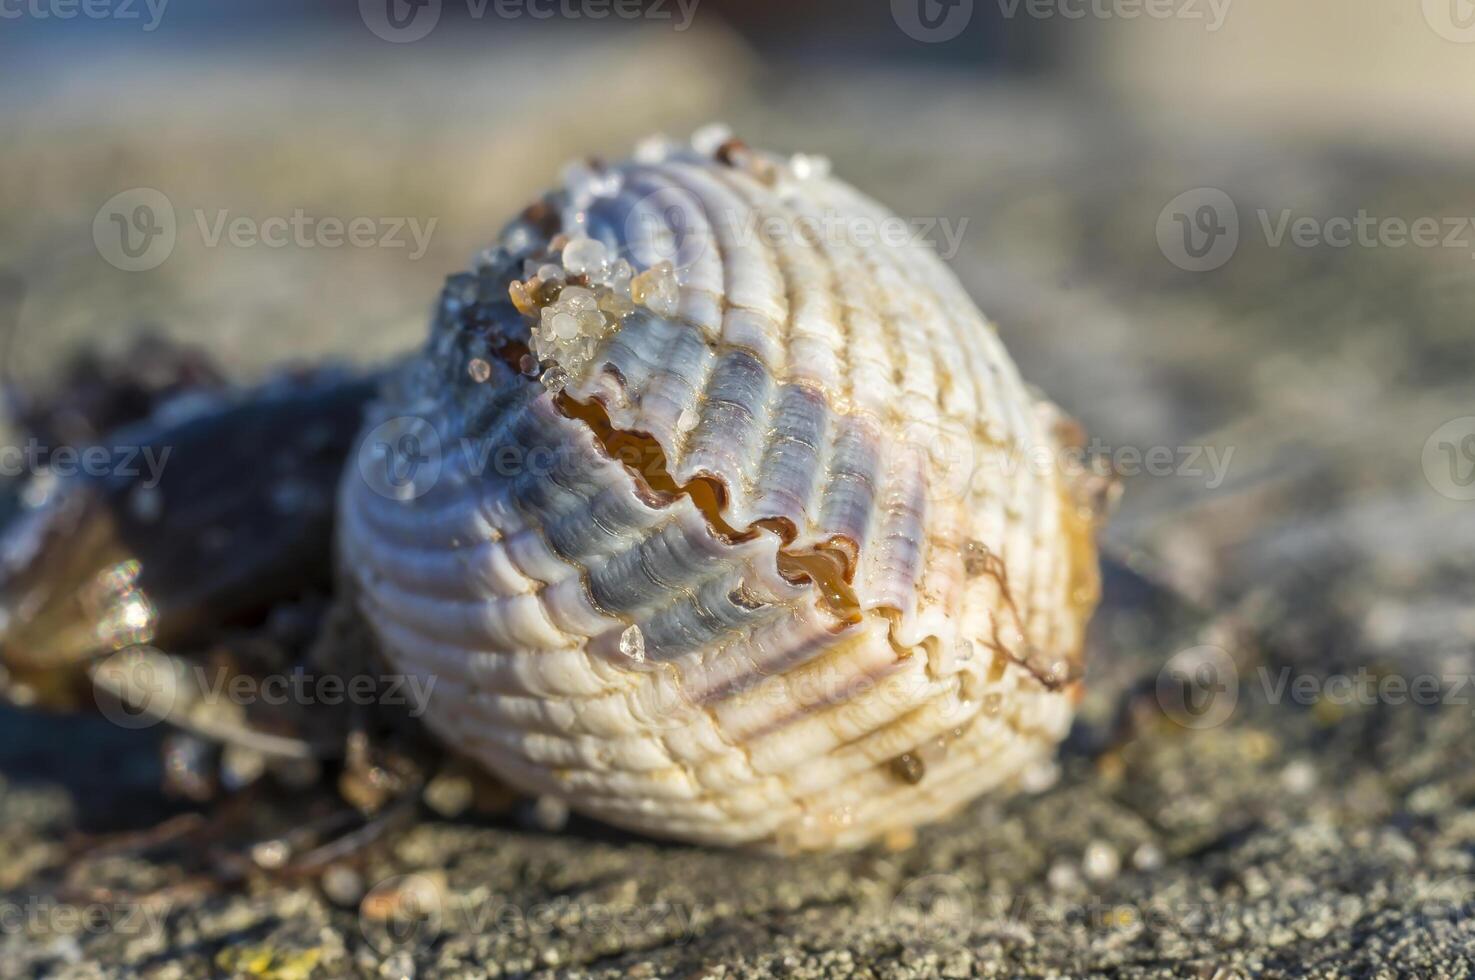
x: 585, y: 257
x: 805, y: 166
x: 976, y: 558
x: 709, y: 139
x: 146, y: 504
x: 909, y: 768
x: 654, y: 149
x: 657, y: 289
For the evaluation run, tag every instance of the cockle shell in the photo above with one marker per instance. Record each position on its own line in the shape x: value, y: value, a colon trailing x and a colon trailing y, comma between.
x: 714, y: 507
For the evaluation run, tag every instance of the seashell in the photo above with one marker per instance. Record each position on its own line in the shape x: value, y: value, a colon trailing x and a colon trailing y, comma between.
x: 717, y: 511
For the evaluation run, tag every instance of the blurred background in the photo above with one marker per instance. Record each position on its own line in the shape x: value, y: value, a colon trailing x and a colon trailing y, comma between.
x: 1239, y: 232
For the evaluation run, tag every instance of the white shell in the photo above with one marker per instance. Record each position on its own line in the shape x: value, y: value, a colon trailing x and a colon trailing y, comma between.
x: 833, y: 585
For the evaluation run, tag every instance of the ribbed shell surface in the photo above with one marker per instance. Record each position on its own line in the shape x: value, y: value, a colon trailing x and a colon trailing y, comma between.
x: 782, y: 559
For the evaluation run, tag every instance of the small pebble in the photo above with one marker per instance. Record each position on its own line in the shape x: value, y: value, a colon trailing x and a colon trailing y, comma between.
x: 449, y: 794
x: 343, y: 885
x: 1101, y: 861
x: 271, y: 854
x: 1040, y: 777
x: 240, y: 767
x: 1147, y: 857
x: 1063, y: 876
x: 1299, y: 777
x: 399, y: 965
x: 550, y: 814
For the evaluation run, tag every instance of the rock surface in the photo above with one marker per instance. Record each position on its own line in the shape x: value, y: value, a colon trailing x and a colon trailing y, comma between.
x: 1247, y: 792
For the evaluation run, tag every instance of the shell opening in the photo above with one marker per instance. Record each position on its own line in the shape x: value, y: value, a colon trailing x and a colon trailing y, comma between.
x: 830, y: 567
